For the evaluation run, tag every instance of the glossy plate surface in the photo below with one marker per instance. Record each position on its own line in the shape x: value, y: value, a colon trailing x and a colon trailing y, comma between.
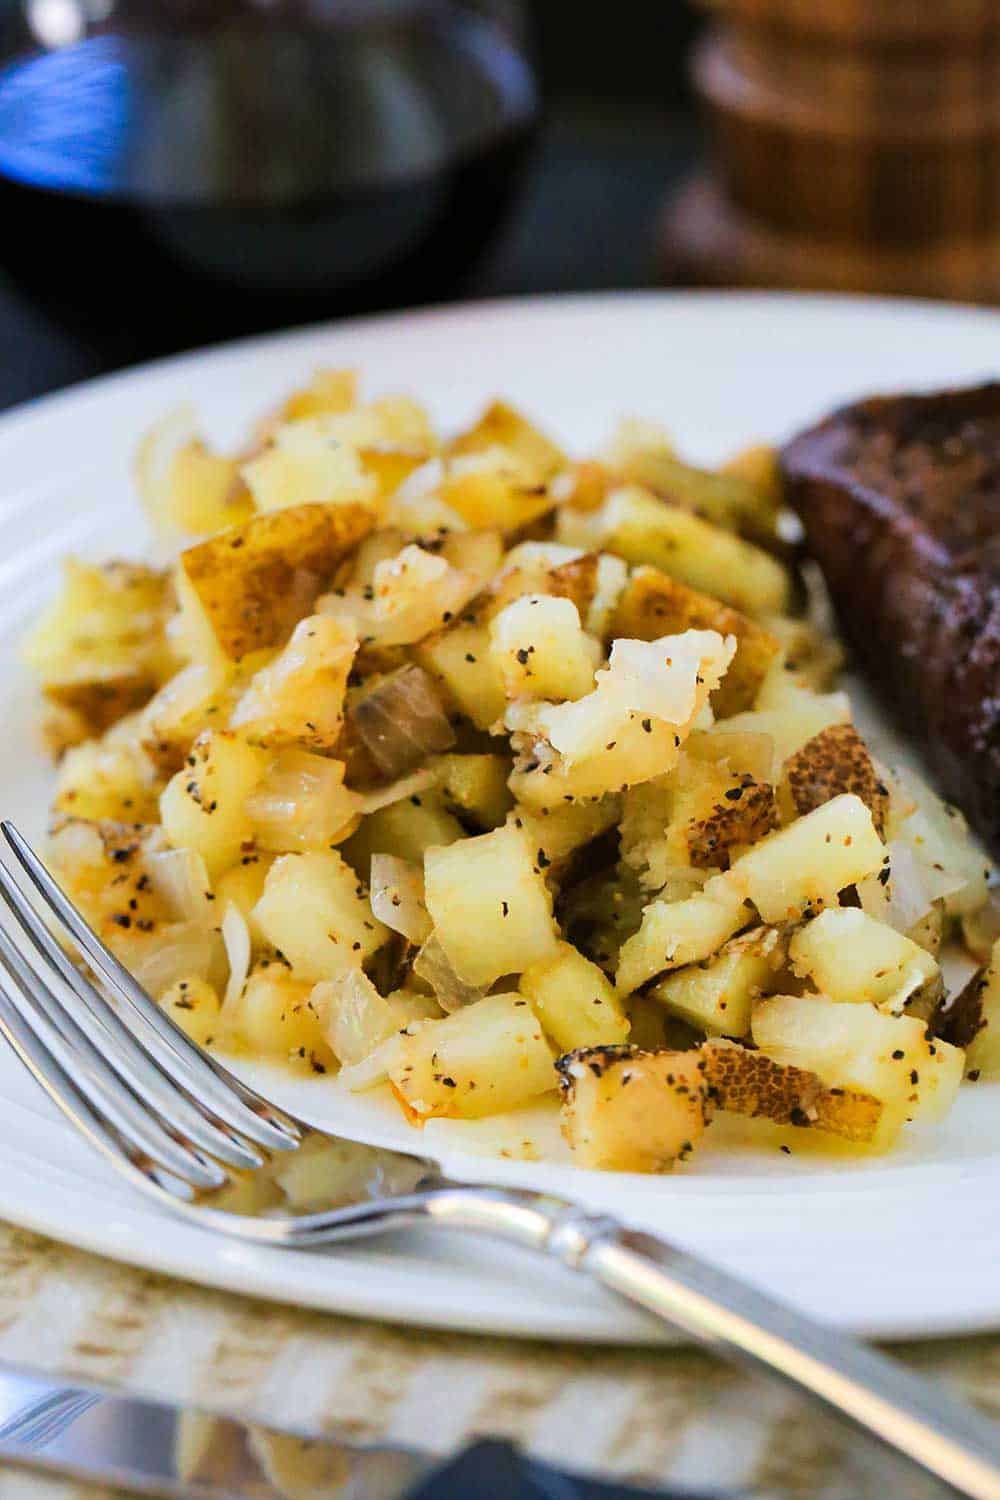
x: 907, y: 1245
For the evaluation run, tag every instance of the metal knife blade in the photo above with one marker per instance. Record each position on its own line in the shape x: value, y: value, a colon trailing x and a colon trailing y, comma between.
x: 157, y: 1448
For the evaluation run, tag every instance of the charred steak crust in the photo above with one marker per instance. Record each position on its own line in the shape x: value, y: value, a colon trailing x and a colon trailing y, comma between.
x: 900, y: 500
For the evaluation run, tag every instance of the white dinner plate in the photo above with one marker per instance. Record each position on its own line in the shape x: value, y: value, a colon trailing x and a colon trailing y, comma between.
x: 906, y: 1245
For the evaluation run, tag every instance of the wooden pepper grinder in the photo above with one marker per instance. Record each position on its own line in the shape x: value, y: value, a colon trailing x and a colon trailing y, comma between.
x: 855, y: 145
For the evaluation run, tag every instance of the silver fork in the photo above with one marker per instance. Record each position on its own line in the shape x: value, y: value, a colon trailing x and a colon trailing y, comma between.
x: 183, y: 1129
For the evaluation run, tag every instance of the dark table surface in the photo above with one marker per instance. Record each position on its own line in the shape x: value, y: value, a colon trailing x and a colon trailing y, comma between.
x: 585, y: 219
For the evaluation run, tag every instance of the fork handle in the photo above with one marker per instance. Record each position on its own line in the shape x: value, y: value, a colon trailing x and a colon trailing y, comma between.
x: 914, y: 1416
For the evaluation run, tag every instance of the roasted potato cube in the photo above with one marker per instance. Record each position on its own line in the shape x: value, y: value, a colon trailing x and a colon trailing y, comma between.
x: 972, y: 1021
x: 642, y: 529
x: 203, y: 806
x: 652, y: 605
x: 541, y: 650
x: 304, y: 465
x: 849, y: 956
x: 502, y: 426
x: 200, y: 696
x: 808, y: 863
x: 298, y: 698
x: 676, y: 933
x: 861, y: 1048
x: 574, y: 1001
x: 406, y: 828
x: 629, y: 1111
x: 317, y: 914
x: 475, y: 787
x: 490, y: 905
x: 459, y: 658
x: 717, y: 995
x: 243, y: 885
x: 560, y: 832
x: 750, y: 1083
x: 100, y: 649
x: 328, y: 392
x: 493, y: 490
x: 275, y: 1017
x: 101, y: 780
x: 489, y: 1057
x: 194, y: 1005
x: 255, y: 581
x: 834, y: 761
x: 184, y: 486
x: 789, y: 716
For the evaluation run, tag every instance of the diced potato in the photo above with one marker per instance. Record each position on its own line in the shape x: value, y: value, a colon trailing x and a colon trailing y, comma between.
x: 305, y: 466
x: 759, y: 466
x: 653, y: 605
x: 972, y: 1021
x: 416, y: 592
x: 100, y: 780
x: 483, y: 1060
x: 299, y: 697
x: 675, y: 933
x: 406, y: 828
x: 558, y: 833
x: 102, y: 868
x: 242, y: 885
x: 328, y: 392
x: 275, y: 1017
x: 317, y: 914
x: 813, y: 658
x: 459, y: 658
x: 630, y: 1111
x: 397, y: 897
x: 859, y: 1047
x: 502, y: 426
x: 183, y: 485
x: 834, y: 761
x: 199, y: 697
x: 253, y: 582
x: 574, y: 1001
x: 807, y: 864
x: 100, y: 649
x: 475, y: 786
x: 717, y: 995
x: 541, y: 650
x: 194, y: 1005
x: 493, y: 489
x: 302, y: 803
x: 746, y: 1082
x: 203, y: 806
x: 849, y: 956
x: 789, y: 718
x: 642, y: 529
x: 490, y: 905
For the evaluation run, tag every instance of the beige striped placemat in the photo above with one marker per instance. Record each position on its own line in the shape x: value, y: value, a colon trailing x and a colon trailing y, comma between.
x: 646, y: 1416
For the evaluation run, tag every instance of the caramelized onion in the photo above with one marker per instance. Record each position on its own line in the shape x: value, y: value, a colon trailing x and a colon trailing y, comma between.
x: 402, y: 721
x: 432, y: 966
x: 397, y: 896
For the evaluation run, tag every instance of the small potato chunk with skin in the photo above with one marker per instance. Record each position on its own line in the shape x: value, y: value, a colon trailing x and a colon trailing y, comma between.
x: 745, y: 1082
x: 624, y: 1110
x: 485, y: 1059
x: 653, y: 605
x: 574, y: 1001
x: 490, y: 905
x: 502, y: 425
x: 808, y: 863
x: 675, y: 933
x: 717, y: 996
x: 541, y: 650
x: 789, y: 718
x: 193, y: 1004
x: 203, y: 807
x: 859, y: 1047
x: 274, y: 1017
x: 299, y: 697
x: 851, y: 957
x: 317, y: 914
x: 254, y: 581
x: 834, y: 761
x: 972, y: 1021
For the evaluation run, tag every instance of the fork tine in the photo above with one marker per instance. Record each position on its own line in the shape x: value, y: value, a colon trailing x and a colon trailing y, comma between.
x: 99, y: 1085
x: 201, y: 1076
x: 124, y: 1051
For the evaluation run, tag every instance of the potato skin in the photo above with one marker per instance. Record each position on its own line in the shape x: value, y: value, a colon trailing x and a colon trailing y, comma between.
x: 256, y: 580
x: 835, y: 760
x: 746, y: 1082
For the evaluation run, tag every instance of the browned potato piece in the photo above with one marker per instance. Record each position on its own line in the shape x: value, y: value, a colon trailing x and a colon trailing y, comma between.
x: 630, y: 1111
x: 653, y: 605
x: 750, y: 1083
x: 746, y: 813
x: 254, y: 581
x: 502, y: 426
x: 835, y: 760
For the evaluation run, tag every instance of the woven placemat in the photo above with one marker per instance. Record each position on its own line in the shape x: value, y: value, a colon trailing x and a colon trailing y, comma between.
x: 643, y: 1416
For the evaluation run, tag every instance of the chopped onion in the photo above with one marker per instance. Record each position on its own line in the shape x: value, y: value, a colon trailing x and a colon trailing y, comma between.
x: 432, y: 966
x: 402, y: 721
x: 396, y: 791
x: 909, y: 893
x: 302, y: 803
x: 981, y: 928
x: 397, y: 896
x: 372, y: 1070
x: 179, y: 877
x: 236, y: 936
x: 354, y: 1017
x: 180, y: 950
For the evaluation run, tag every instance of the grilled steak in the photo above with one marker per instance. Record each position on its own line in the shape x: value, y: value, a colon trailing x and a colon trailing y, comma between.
x: 900, y: 498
